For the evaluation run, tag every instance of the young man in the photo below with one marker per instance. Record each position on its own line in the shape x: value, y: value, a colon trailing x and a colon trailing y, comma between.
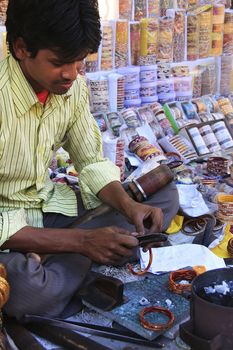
x: 44, y: 104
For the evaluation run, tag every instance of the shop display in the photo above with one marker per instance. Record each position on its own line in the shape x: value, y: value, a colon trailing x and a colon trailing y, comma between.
x: 179, y: 37
x: 99, y: 94
x: 198, y: 141
x: 149, y: 33
x: 91, y: 63
x: 125, y: 9
x: 106, y: 49
x: 143, y: 148
x: 3, y: 8
x: 192, y: 37
x: 226, y: 82
x: 121, y: 46
x: 134, y: 42
x: 205, y: 30
x: 140, y: 9
x: 153, y: 8
x: 217, y: 29
x: 165, y: 39
x: 228, y: 33
x: 161, y: 91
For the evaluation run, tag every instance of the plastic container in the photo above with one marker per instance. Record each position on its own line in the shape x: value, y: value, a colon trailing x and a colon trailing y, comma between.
x: 148, y: 89
x: 131, y: 74
x: 148, y: 74
x: 132, y: 93
x: 166, y: 97
x: 133, y: 103
x: 150, y: 99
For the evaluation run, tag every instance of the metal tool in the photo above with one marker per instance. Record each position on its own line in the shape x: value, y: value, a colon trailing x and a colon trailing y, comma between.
x: 152, y: 240
x: 22, y: 338
x: 100, y: 331
x: 65, y: 337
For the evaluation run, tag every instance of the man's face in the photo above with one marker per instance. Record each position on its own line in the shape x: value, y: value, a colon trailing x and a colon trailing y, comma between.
x: 47, y: 71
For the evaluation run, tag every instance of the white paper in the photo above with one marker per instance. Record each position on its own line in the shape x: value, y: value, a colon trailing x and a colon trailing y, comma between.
x: 176, y: 257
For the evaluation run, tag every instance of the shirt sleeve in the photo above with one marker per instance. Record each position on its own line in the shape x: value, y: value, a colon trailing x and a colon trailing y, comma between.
x: 84, y: 144
x: 10, y: 223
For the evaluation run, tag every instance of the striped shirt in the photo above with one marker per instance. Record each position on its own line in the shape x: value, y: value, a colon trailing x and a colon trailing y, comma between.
x: 29, y: 134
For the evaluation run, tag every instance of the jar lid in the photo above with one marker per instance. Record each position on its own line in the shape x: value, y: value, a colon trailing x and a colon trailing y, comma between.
x: 129, y: 87
x: 128, y: 69
x: 151, y: 84
x: 150, y: 99
x: 153, y: 67
x: 135, y: 102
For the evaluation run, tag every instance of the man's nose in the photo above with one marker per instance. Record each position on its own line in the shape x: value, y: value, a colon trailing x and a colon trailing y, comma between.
x: 70, y: 71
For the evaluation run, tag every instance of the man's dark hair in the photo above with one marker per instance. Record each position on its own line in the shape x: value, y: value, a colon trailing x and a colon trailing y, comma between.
x: 71, y: 28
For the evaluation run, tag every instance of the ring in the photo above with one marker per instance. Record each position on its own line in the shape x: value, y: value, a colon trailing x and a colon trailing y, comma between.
x: 157, y: 326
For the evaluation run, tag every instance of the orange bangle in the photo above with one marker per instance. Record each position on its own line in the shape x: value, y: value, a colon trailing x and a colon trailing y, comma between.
x: 179, y: 275
x: 157, y: 326
x: 199, y: 269
x: 140, y: 272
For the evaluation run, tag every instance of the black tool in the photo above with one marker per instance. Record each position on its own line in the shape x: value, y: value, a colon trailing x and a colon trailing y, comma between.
x: 96, y: 330
x: 152, y: 240
x: 22, y: 338
x: 65, y: 337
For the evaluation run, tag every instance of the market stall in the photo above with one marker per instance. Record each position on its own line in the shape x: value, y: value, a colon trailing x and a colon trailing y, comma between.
x: 161, y: 91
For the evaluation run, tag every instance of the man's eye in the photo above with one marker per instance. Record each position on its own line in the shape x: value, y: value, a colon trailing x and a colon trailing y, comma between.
x: 57, y: 64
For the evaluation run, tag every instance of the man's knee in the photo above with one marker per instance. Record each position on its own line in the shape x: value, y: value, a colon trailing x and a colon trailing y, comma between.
x: 40, y: 289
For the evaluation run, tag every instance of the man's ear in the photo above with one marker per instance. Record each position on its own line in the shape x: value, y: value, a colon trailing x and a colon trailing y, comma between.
x: 20, y: 49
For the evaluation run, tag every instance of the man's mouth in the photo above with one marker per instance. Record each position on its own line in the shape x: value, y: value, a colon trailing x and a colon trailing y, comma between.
x: 66, y: 84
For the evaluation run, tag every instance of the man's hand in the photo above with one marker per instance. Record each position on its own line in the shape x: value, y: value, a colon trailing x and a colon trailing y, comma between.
x: 109, y: 245
x: 140, y: 215
x: 144, y: 216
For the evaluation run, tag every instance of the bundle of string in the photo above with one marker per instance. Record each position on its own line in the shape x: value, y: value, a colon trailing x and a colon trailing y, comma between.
x: 176, y: 277
x: 143, y: 148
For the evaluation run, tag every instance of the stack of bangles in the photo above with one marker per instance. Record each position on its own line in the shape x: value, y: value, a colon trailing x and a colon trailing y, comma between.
x: 188, y: 275
x: 173, y: 160
x: 194, y: 227
x: 176, y: 277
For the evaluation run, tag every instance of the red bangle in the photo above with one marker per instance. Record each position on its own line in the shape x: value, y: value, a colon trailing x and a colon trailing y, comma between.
x: 140, y: 272
x: 157, y: 326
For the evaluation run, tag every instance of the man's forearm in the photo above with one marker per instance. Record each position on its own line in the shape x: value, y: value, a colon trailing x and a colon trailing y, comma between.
x: 46, y: 240
x: 115, y: 196
x: 107, y: 245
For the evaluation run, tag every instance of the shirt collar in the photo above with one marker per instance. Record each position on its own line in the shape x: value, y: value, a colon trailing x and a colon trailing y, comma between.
x: 25, y: 94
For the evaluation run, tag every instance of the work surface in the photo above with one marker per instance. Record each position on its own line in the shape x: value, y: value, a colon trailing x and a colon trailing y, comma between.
x: 152, y: 287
